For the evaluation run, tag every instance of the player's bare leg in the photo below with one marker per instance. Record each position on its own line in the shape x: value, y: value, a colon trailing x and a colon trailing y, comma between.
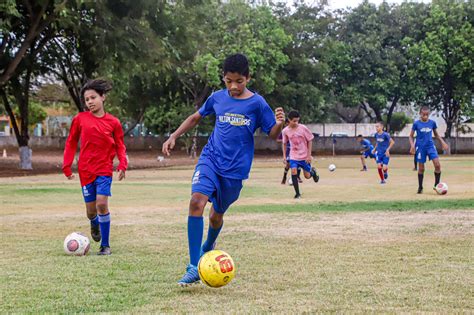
x: 91, y: 210
x: 216, y: 221
x: 421, y: 173
x: 195, y: 232
x: 364, y: 166
x: 296, y: 186
x: 437, y: 172
x: 102, y: 206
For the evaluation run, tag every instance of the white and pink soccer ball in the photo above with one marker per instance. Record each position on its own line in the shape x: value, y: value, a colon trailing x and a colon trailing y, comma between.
x: 332, y: 167
x: 76, y: 244
x: 441, y: 189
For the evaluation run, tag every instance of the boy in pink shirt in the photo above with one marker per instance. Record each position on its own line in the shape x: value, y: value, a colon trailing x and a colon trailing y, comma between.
x: 300, y: 138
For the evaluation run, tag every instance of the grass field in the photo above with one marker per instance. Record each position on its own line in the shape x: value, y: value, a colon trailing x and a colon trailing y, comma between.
x: 349, y: 245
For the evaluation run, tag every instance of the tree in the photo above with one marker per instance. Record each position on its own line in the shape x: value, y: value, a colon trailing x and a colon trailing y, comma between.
x: 443, y: 61
x: 302, y: 83
x: 27, y: 27
x: 369, y: 60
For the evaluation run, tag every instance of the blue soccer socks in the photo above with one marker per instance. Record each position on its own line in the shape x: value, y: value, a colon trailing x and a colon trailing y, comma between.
x: 212, y: 235
x: 104, y: 222
x: 195, y: 232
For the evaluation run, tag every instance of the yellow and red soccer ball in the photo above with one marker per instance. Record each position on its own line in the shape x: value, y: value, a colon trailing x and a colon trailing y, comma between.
x: 216, y: 268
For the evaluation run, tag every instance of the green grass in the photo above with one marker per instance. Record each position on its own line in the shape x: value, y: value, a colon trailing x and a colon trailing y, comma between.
x: 360, y: 249
x: 394, y: 205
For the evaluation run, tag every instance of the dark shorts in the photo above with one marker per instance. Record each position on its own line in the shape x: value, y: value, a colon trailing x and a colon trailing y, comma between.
x: 368, y: 153
x: 222, y: 191
x: 100, y: 186
x: 422, y: 153
x: 300, y: 164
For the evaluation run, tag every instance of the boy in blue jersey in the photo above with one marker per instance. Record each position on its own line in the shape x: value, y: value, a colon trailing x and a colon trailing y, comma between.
x: 366, y: 151
x: 425, y: 146
x: 383, y: 144
x: 227, y: 157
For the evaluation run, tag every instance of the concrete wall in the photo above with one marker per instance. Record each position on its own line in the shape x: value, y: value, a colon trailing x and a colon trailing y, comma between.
x: 321, y: 145
x: 352, y: 130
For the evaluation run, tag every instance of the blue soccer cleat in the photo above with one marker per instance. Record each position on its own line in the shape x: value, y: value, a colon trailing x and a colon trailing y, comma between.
x: 385, y: 175
x: 382, y: 182
x: 190, y: 278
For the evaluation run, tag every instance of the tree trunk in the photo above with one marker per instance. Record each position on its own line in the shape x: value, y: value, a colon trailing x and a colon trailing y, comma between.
x: 197, y: 103
x: 390, y: 112
x: 25, y: 158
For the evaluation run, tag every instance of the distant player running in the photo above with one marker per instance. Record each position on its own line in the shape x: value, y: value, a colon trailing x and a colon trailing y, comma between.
x: 383, y: 144
x: 425, y: 128
x: 101, y: 137
x: 227, y: 157
x: 366, y: 151
x: 287, y: 160
x: 300, y: 139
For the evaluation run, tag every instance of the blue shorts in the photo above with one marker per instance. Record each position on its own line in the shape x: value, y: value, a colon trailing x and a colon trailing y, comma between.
x: 368, y: 153
x: 382, y: 159
x: 422, y: 153
x: 222, y: 191
x: 100, y: 186
x: 300, y: 164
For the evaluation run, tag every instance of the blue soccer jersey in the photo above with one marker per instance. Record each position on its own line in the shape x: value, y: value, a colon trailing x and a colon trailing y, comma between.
x: 230, y: 147
x: 383, y: 141
x: 424, y: 133
x: 366, y: 145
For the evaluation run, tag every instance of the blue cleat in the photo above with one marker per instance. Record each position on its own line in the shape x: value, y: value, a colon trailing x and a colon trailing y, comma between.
x: 190, y: 278
x: 385, y: 175
x: 382, y: 182
x: 205, y: 251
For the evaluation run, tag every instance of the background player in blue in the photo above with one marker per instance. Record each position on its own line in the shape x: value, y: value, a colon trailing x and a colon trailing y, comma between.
x: 425, y: 146
x: 227, y: 157
x: 383, y: 144
x: 366, y: 151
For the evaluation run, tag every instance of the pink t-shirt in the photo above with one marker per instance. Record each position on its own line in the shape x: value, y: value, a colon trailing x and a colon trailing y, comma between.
x: 298, y: 138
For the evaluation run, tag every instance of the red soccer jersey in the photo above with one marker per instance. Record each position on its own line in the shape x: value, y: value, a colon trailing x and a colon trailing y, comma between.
x: 101, y: 138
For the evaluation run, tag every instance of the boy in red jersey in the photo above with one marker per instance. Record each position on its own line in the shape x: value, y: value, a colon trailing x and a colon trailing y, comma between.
x: 101, y: 137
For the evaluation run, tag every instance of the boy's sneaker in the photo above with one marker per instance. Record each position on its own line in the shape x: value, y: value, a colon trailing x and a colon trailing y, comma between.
x: 315, y: 175
x: 191, y: 277
x: 297, y: 196
x: 95, y: 232
x: 104, y: 250
x: 364, y: 169
x: 420, y: 190
x: 385, y: 175
x: 202, y: 249
x: 382, y: 182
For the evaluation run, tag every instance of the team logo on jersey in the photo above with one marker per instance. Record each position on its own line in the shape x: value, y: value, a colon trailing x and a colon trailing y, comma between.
x: 85, y: 191
x: 380, y: 139
x: 196, y: 177
x: 426, y: 129
x: 234, y: 119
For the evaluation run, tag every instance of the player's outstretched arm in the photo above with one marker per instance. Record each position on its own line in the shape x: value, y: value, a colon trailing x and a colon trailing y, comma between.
x: 70, y: 148
x: 188, y: 124
x: 443, y: 143
x: 280, y: 120
x: 412, y: 142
